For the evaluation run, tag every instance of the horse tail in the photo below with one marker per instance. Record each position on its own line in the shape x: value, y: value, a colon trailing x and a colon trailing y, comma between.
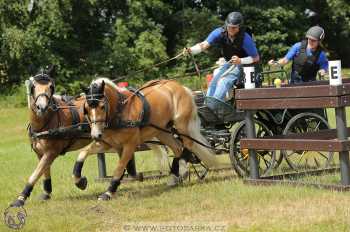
x: 206, y: 155
x: 162, y: 157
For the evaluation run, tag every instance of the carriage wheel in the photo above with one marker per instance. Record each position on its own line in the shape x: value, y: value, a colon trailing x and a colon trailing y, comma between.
x: 240, y: 158
x: 301, y: 160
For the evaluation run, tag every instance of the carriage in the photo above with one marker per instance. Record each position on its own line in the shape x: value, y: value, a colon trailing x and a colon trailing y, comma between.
x: 223, y: 126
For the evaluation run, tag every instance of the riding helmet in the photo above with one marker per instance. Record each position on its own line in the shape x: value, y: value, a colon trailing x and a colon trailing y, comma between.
x: 234, y: 19
x: 315, y: 32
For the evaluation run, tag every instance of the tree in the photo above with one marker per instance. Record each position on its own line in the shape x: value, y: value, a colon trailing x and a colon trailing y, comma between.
x: 87, y: 38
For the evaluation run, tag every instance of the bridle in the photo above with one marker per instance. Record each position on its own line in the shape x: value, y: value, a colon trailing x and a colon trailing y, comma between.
x: 42, y: 77
x: 93, y: 101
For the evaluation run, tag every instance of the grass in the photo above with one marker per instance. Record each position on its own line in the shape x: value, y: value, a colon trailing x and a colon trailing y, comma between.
x: 221, y: 198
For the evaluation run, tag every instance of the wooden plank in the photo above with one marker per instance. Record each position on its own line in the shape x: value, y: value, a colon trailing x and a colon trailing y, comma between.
x: 294, y: 91
x: 324, y: 134
x: 266, y: 182
x: 302, y: 173
x: 292, y: 103
x: 295, y: 144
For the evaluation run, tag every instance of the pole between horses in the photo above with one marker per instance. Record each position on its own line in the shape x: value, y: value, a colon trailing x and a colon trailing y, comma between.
x: 102, y: 173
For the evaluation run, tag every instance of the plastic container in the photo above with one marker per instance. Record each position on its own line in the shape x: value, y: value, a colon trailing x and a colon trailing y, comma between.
x: 123, y: 84
x: 209, y: 78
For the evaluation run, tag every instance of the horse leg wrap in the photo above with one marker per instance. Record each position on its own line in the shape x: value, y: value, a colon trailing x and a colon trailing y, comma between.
x: 186, y: 154
x: 189, y: 156
x: 47, y: 185
x: 175, y: 166
x: 77, y: 168
x: 26, y: 191
x: 114, y: 185
x: 131, y: 168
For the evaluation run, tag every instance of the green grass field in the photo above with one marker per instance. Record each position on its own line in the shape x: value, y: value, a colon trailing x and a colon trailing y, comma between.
x: 221, y: 198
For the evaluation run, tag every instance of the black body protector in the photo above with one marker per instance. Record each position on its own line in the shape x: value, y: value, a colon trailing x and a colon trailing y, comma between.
x: 305, y: 65
x: 235, y: 47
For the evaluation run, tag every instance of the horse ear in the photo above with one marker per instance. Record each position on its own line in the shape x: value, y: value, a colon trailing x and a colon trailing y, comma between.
x: 103, y: 85
x: 50, y: 70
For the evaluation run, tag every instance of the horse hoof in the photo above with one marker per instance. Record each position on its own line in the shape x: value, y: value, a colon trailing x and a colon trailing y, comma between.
x: 44, y: 197
x: 174, y: 181
x: 82, y: 183
x: 17, y: 203
x: 104, y: 197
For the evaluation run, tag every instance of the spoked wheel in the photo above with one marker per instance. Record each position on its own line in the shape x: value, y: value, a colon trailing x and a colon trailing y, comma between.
x: 302, y: 160
x: 240, y: 157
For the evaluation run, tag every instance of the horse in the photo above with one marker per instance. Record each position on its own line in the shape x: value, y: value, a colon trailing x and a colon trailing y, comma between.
x: 54, y: 129
x: 157, y: 107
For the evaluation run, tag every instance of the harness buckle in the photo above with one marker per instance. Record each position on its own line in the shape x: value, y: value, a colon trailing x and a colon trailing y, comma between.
x: 132, y: 123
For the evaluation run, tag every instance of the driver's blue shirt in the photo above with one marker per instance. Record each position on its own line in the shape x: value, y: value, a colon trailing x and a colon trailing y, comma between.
x: 295, y: 50
x: 248, y: 44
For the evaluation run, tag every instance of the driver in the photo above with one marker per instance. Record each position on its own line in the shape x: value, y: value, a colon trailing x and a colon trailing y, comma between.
x: 237, y: 47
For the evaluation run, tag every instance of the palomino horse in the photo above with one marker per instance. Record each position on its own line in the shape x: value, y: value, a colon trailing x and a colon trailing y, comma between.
x: 124, y: 122
x: 51, y: 112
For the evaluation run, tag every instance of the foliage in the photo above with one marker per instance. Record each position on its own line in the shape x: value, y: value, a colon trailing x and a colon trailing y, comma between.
x: 85, y: 39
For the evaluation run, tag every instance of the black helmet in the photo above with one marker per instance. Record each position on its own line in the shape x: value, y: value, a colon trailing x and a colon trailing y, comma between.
x: 315, y: 32
x: 234, y: 19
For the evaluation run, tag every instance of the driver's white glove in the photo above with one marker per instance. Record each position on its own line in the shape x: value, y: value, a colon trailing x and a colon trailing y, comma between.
x: 322, y: 72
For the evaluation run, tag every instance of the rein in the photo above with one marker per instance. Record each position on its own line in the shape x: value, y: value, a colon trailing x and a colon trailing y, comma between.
x: 60, y: 131
x: 196, y: 66
x: 148, y: 68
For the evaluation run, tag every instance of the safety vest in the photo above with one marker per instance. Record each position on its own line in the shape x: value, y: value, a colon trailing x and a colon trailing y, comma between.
x: 306, y: 66
x: 230, y: 48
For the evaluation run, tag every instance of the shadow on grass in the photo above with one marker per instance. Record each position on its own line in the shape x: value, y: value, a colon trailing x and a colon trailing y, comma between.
x: 149, y: 190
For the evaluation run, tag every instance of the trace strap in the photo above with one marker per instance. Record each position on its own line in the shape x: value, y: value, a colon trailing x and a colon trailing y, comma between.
x: 175, y: 132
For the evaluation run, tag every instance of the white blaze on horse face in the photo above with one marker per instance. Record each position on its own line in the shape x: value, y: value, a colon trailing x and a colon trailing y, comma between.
x: 96, y: 125
x: 41, y: 94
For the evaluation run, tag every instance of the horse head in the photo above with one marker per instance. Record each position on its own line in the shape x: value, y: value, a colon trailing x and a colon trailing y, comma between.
x: 96, y: 108
x: 41, y: 88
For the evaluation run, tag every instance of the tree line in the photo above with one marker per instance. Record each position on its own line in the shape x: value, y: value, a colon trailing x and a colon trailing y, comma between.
x: 115, y: 38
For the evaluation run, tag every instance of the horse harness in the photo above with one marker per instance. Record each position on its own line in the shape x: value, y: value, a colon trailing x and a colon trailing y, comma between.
x: 143, y: 120
x: 41, y: 77
x: 118, y: 122
x: 77, y: 129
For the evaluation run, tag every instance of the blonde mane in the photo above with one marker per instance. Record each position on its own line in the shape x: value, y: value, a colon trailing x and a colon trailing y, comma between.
x: 108, y: 82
